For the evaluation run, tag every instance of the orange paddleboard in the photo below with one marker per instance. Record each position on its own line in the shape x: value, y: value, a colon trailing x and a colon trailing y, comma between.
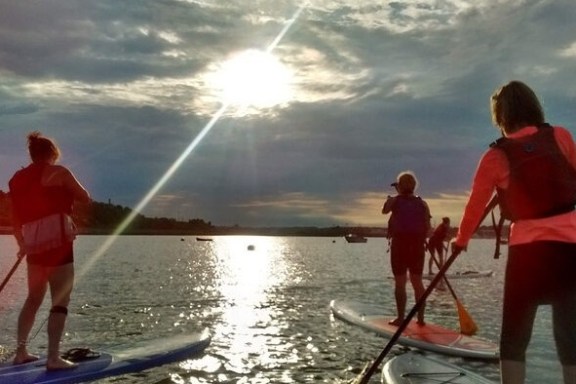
x: 430, y: 337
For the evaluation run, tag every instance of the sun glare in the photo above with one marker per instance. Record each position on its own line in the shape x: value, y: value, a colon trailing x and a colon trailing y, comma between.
x: 253, y: 78
x: 273, y: 71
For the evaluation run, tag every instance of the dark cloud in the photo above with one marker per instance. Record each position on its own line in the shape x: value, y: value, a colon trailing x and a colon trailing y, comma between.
x: 381, y: 88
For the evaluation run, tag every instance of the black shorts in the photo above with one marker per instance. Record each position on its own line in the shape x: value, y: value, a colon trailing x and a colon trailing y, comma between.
x: 539, y: 273
x: 407, y: 253
x: 436, y: 245
x: 54, y: 257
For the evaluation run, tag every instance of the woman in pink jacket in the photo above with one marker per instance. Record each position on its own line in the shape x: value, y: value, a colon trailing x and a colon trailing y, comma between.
x: 532, y: 168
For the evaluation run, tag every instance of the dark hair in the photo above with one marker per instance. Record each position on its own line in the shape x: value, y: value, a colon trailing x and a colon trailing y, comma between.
x: 42, y: 149
x: 515, y: 105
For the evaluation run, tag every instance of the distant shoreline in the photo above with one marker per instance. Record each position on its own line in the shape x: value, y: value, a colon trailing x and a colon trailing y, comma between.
x: 485, y: 232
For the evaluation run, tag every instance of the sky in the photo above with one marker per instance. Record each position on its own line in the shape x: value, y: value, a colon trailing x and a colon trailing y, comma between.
x: 274, y: 112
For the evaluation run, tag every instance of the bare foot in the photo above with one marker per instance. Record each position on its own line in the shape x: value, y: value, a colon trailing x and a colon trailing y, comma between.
x: 24, y: 358
x: 59, y: 365
x: 396, y: 322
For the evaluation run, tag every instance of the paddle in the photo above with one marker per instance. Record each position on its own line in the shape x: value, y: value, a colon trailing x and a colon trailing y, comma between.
x: 467, y: 324
x: 11, y: 272
x: 370, y: 369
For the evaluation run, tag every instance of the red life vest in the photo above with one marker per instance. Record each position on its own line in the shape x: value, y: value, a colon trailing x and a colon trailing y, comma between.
x: 31, y: 200
x: 542, y: 182
x: 410, y: 216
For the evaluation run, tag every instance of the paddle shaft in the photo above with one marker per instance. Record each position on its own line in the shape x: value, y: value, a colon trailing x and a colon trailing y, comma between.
x: 420, y: 303
x: 11, y: 272
x: 445, y: 278
x: 467, y: 325
x: 402, y: 327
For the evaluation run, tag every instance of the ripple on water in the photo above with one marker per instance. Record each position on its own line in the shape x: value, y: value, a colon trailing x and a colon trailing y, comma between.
x: 268, y: 309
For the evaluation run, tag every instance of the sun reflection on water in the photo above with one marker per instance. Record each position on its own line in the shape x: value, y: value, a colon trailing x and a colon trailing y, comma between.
x: 248, y: 266
x: 251, y: 269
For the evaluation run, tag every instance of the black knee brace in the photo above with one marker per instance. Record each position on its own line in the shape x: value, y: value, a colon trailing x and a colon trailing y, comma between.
x: 59, y: 309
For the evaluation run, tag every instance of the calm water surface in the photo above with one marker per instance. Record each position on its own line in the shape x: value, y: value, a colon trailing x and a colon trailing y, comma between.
x: 267, y: 308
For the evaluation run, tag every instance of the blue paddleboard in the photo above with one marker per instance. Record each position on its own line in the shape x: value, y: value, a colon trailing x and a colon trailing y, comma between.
x: 121, y: 360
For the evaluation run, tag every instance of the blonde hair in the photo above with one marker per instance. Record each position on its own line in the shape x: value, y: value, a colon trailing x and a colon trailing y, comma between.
x: 406, y: 182
x: 515, y: 105
x: 42, y: 149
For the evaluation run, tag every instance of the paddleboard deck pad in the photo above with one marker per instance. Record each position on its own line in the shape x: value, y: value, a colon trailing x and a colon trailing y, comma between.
x: 121, y: 360
x: 429, y: 337
x: 413, y: 367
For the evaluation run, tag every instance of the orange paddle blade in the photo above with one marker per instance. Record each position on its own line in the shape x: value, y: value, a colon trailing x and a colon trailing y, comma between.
x: 467, y: 325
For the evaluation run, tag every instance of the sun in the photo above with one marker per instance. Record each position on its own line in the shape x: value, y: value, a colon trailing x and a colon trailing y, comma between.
x: 252, y: 78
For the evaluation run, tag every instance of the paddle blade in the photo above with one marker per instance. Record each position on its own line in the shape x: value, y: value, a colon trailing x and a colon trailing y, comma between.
x: 467, y: 325
x: 362, y: 377
x: 20, y: 257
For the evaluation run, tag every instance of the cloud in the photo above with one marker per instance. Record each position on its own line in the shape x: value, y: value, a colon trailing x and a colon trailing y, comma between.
x: 376, y: 88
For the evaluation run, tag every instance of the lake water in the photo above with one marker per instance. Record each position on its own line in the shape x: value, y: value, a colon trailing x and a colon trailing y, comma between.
x: 267, y: 308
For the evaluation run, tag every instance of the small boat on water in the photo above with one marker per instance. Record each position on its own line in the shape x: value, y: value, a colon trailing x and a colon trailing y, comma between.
x: 352, y: 238
x: 203, y: 239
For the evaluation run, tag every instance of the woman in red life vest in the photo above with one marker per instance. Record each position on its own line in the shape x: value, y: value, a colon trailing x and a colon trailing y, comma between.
x: 42, y: 196
x: 532, y: 169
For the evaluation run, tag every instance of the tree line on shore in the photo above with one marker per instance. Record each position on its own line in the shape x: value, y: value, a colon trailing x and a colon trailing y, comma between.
x: 104, y: 218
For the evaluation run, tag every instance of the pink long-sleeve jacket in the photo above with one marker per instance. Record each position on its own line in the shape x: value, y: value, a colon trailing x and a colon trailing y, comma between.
x: 492, y: 172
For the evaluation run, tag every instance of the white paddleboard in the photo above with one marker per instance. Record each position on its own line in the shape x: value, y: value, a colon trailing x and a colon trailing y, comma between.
x: 459, y: 275
x: 431, y: 337
x: 462, y: 275
x: 132, y: 358
x: 413, y: 367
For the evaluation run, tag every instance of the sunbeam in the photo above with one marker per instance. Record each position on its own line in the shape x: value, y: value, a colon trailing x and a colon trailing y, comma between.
x: 174, y: 167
